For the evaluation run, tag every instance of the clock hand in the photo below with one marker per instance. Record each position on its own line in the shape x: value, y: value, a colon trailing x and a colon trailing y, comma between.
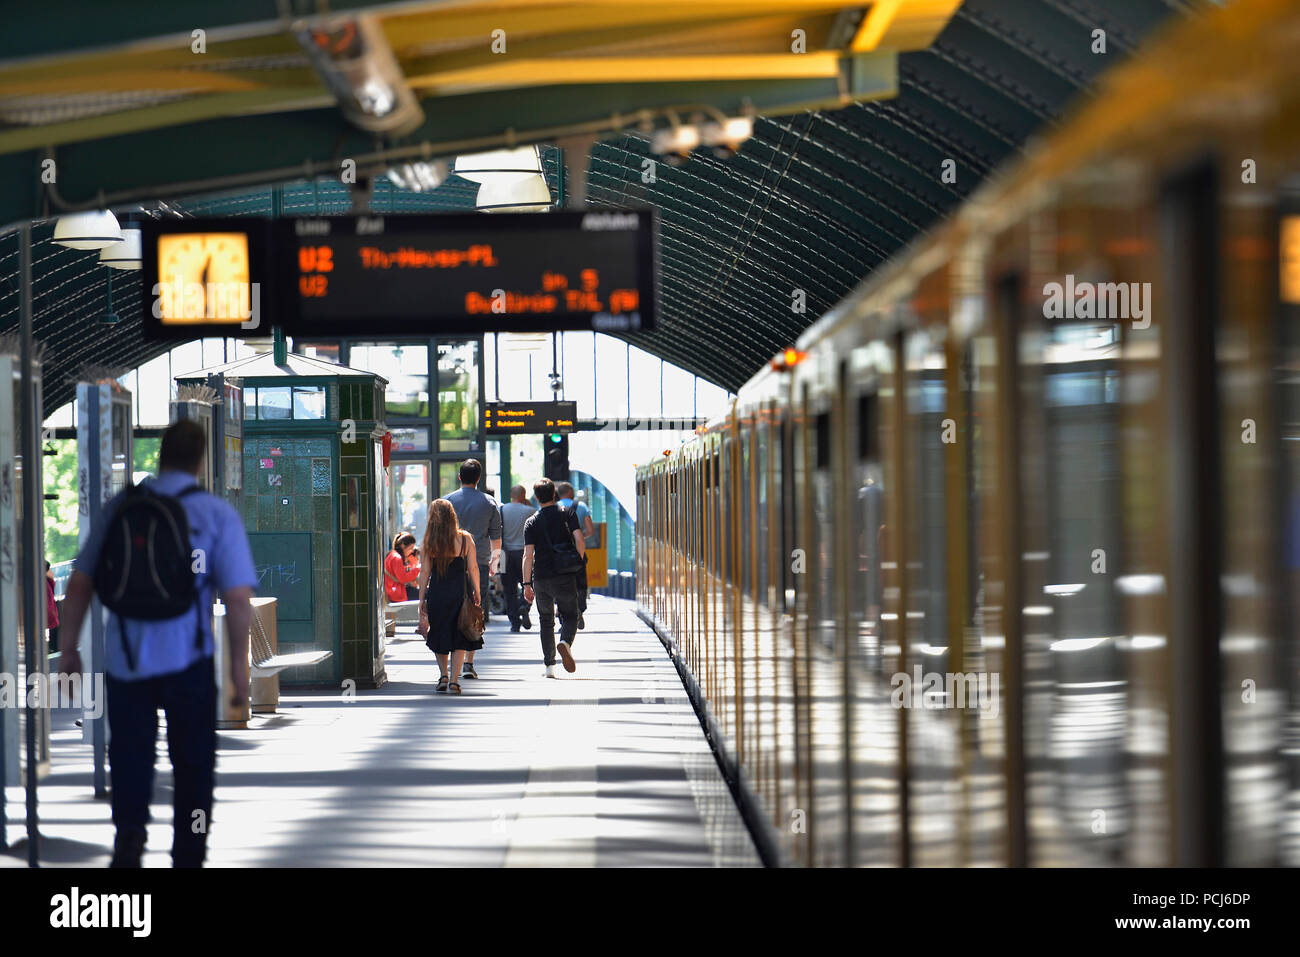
x: 203, y: 281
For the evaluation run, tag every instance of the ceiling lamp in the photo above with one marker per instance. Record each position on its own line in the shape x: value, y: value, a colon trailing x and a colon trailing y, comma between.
x: 727, y: 136
x: 530, y: 195
x: 509, y: 180
x: 93, y: 230
x: 123, y: 255
x: 675, y: 143
x: 499, y: 164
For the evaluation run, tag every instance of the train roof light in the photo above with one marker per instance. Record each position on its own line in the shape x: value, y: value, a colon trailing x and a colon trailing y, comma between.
x: 788, y: 359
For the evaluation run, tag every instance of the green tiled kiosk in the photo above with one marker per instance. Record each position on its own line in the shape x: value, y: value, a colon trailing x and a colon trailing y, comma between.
x: 314, y: 490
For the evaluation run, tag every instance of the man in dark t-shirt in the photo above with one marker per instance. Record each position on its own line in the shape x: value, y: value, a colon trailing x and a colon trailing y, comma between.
x: 550, y: 589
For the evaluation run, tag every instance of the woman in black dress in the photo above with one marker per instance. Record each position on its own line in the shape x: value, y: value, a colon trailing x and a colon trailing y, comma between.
x: 447, y: 559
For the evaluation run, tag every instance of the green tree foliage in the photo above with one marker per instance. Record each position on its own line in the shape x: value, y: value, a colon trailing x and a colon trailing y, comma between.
x: 60, y: 475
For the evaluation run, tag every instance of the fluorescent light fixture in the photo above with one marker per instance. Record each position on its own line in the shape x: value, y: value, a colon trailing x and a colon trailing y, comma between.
x: 93, y: 230
x: 1070, y: 589
x: 727, y: 136
x: 353, y: 59
x: 420, y: 176
x: 675, y: 139
x: 1076, y: 644
x: 1140, y: 584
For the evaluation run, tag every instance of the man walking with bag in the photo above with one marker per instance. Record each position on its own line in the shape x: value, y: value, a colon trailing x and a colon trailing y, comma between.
x: 553, y: 552
x: 156, y: 560
x: 513, y: 516
x: 480, y: 515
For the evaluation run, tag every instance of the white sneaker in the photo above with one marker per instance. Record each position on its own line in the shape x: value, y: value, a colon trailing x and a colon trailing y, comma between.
x: 550, y: 671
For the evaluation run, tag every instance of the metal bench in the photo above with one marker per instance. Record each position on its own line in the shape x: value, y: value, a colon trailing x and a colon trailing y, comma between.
x: 404, y: 612
x: 267, y: 663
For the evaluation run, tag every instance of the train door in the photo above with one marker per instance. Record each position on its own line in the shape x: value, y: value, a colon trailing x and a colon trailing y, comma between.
x: 824, y: 683
x: 873, y: 636
x: 928, y: 683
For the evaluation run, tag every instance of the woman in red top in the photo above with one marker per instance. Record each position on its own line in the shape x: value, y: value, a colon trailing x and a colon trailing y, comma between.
x: 401, y: 567
x: 52, y: 609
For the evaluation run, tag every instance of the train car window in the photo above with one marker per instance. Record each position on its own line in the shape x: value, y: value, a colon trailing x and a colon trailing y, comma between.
x: 785, y: 470
x: 868, y: 429
x: 745, y: 516
x: 762, y: 543
x: 822, y: 425
x: 727, y: 506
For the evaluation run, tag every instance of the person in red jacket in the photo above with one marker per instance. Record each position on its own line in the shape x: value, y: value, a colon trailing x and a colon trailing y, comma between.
x: 401, y: 567
x: 51, y: 609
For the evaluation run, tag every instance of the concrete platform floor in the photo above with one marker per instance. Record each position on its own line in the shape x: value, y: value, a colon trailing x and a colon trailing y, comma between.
x: 604, y: 767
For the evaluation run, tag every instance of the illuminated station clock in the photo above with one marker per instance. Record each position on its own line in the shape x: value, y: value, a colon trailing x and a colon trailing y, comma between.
x: 213, y: 271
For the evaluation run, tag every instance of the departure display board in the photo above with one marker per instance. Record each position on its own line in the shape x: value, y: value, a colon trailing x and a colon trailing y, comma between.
x: 467, y: 273
x: 529, y: 417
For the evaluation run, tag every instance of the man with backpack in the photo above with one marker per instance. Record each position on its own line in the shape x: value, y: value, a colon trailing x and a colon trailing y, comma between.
x: 156, y: 560
x: 553, y: 554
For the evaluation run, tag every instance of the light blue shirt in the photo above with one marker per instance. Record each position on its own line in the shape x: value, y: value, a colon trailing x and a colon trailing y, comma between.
x: 168, y: 646
x: 581, y: 511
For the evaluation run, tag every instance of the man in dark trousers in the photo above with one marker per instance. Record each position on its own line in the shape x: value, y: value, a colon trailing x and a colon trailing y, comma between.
x: 163, y: 666
x: 565, y: 496
x: 513, y: 516
x: 480, y: 515
x: 551, y: 589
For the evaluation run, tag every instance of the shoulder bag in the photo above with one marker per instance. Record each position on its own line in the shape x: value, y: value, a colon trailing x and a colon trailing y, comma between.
x: 470, y: 620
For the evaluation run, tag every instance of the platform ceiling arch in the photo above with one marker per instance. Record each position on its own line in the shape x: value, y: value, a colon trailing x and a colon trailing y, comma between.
x: 843, y: 170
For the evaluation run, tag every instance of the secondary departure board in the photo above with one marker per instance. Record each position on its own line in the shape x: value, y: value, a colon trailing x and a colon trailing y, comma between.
x: 529, y: 417
x: 467, y: 273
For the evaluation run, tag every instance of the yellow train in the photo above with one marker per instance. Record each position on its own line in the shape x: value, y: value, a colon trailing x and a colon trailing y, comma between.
x: 997, y: 565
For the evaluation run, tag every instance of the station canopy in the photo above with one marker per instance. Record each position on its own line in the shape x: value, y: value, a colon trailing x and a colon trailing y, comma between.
x: 244, y: 107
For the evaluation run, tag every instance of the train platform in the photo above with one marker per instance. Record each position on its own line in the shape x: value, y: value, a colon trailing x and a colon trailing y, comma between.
x: 604, y: 767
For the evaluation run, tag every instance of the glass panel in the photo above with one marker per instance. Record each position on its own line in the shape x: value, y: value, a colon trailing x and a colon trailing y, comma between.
x: 411, y: 489
x: 448, y: 477
x: 579, y: 371
x: 643, y: 369
x: 309, y: 402
x: 406, y: 367
x: 458, y: 378
x: 611, y: 377
x: 493, y: 469
x: 153, y: 388
x: 410, y: 440
x: 329, y: 351
x: 273, y: 402
x: 144, y: 455
x: 679, y: 392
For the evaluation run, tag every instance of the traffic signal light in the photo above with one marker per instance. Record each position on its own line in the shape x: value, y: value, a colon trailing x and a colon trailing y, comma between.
x: 555, y: 463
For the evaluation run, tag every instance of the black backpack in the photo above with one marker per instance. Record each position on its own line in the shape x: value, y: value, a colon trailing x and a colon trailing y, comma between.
x: 145, y: 568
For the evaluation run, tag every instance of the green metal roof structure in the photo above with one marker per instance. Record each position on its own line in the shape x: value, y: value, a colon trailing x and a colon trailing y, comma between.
x: 843, y: 168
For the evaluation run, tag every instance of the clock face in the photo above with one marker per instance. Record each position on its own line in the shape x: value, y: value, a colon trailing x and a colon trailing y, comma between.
x: 205, y: 277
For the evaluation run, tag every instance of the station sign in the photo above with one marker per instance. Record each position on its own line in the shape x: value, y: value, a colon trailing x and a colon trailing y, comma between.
x: 467, y: 273
x: 529, y: 418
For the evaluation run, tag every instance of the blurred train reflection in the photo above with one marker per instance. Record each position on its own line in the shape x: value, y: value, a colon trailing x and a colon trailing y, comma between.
x: 1055, y: 444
